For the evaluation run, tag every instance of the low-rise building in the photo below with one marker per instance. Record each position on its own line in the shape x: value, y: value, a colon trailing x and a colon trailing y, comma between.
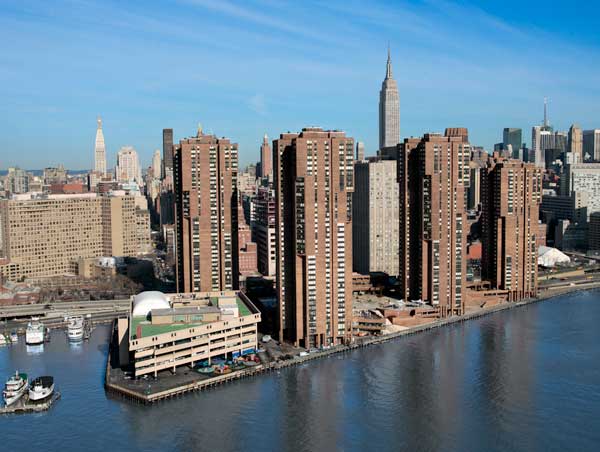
x: 164, y: 332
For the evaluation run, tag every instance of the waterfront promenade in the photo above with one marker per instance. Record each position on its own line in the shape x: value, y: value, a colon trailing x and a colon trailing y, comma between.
x: 169, y: 386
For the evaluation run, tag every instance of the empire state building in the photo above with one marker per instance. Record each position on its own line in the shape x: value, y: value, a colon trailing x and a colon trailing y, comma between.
x: 389, y: 109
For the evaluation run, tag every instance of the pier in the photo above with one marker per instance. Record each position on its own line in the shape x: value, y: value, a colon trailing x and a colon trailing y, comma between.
x: 25, y: 406
x: 187, y: 380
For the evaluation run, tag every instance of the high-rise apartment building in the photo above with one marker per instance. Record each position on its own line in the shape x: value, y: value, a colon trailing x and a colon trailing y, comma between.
x: 266, y: 168
x: 156, y: 165
x: 433, y: 174
x: 389, y: 109
x: 100, y: 150
x: 17, y: 181
x: 314, y: 181
x: 128, y: 167
x: 591, y: 145
x: 575, y: 145
x: 375, y: 223
x: 55, y: 175
x: 510, y: 198
x: 206, y: 210
x: 513, y: 137
x: 360, y: 151
x: 584, y: 178
x: 45, y: 235
x: 264, y: 230
x: 167, y: 151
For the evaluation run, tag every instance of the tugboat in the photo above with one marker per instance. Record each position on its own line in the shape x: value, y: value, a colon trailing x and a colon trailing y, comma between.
x: 34, y: 334
x: 15, y: 388
x: 41, y: 388
x: 75, y: 328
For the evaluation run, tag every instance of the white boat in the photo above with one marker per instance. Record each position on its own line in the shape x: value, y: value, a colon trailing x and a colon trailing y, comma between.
x: 41, y: 388
x: 2, y: 339
x: 35, y: 332
x: 15, y: 388
x: 14, y: 337
x: 75, y: 328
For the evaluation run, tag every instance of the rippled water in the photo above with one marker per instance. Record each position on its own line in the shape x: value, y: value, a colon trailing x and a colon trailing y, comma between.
x: 528, y: 379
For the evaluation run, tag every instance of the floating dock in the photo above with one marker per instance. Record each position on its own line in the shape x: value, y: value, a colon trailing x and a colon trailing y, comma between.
x: 25, y: 406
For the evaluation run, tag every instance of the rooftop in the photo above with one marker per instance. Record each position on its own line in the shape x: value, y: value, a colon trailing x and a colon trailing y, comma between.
x: 185, y: 305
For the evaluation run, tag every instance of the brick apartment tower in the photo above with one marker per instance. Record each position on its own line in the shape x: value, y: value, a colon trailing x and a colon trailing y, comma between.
x: 314, y: 181
x: 433, y: 173
x: 266, y: 169
x: 510, y: 199
x: 206, y: 210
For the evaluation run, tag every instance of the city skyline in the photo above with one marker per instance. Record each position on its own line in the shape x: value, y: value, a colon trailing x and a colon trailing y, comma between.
x: 140, y: 99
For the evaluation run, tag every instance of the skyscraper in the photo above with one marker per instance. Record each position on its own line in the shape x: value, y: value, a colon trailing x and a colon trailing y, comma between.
x: 514, y: 137
x: 510, y: 198
x: 128, y: 166
x: 167, y: 151
x: 389, y: 109
x: 432, y: 172
x: 100, y: 150
x: 542, y: 138
x: 206, y: 213
x: 266, y: 169
x: 576, y: 143
x: 314, y: 181
x: 360, y: 151
x: 156, y: 165
x: 375, y: 223
x: 591, y: 145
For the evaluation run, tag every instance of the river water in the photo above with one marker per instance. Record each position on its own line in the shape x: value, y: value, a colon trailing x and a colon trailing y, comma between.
x: 527, y: 379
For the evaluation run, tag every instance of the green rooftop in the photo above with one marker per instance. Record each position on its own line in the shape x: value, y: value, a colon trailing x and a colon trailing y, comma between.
x: 148, y: 329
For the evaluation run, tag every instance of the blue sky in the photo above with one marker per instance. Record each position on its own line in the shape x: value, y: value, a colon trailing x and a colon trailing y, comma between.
x: 243, y: 69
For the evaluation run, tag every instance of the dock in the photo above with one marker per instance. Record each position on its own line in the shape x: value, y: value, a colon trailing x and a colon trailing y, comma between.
x: 25, y: 406
x: 167, y: 387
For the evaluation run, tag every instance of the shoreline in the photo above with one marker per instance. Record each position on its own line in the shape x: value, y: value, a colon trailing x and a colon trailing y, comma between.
x: 145, y: 397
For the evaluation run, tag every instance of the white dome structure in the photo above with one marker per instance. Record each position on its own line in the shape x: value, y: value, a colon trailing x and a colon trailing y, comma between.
x: 550, y: 257
x: 145, y: 302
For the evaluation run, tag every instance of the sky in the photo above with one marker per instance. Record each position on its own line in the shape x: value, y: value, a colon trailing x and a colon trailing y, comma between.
x: 243, y: 69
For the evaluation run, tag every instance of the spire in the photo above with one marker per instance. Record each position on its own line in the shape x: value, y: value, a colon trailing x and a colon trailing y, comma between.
x: 265, y: 139
x: 199, y: 130
x: 99, y: 121
x: 545, y: 112
x: 388, y: 72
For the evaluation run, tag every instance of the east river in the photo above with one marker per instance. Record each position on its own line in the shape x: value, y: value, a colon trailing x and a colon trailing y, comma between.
x: 526, y: 379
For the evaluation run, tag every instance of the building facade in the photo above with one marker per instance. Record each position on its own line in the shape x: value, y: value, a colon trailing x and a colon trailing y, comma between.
x: 375, y: 222
x: 575, y: 144
x: 389, y: 109
x: 266, y: 155
x: 591, y: 145
x: 206, y: 213
x: 45, y: 235
x: 510, y: 196
x: 128, y: 166
x: 585, y: 178
x: 264, y: 230
x: 163, y: 332
x: 512, y: 137
x: 314, y: 181
x: 167, y: 135
x: 433, y: 174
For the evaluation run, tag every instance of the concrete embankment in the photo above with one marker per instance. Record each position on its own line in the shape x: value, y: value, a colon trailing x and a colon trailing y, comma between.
x: 150, y: 396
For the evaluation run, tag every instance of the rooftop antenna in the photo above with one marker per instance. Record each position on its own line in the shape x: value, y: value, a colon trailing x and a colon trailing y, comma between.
x: 388, y: 72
